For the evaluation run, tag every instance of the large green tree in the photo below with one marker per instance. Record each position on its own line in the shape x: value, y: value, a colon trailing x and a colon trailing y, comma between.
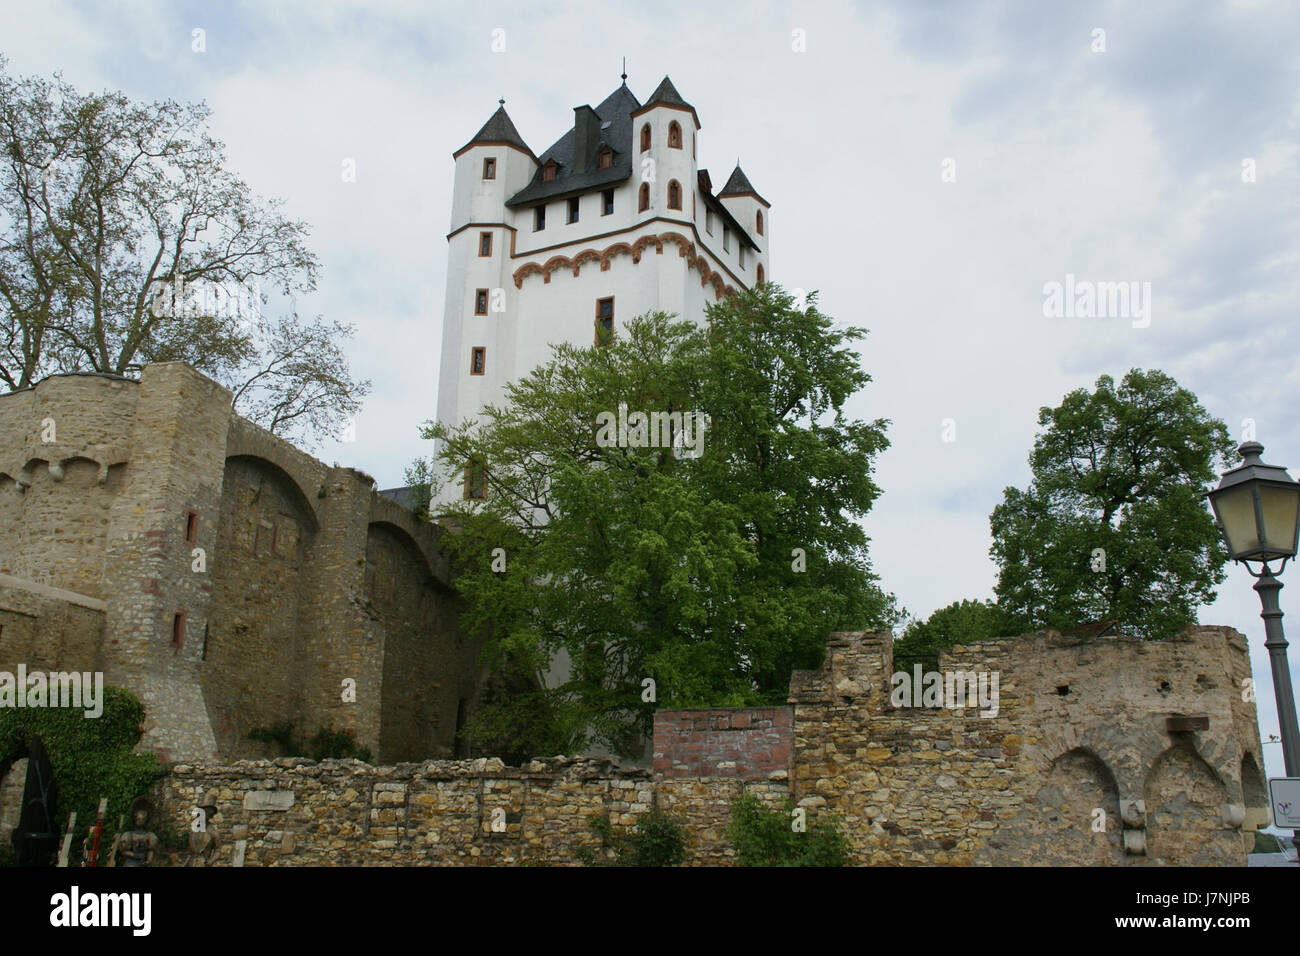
x: 125, y: 240
x: 712, y: 575
x: 962, y: 622
x: 1113, y: 526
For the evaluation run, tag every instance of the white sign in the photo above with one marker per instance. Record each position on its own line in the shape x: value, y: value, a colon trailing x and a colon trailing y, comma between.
x: 1284, y: 798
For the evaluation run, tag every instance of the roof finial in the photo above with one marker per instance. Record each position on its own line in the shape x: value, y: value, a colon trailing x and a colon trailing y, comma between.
x: 502, y: 101
x: 624, y: 71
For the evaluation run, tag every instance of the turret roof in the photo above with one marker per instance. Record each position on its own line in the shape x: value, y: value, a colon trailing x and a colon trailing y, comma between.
x: 498, y: 129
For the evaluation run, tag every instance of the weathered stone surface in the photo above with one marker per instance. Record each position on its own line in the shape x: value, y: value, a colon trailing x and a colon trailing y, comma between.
x: 1041, y: 782
x: 268, y: 800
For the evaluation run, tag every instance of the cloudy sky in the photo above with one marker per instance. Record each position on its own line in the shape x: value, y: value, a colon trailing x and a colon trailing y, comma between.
x: 1122, y: 155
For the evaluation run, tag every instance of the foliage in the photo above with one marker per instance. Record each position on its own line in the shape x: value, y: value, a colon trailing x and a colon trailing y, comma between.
x: 1113, y: 526
x: 714, y: 576
x: 91, y: 758
x: 326, y: 744
x: 1267, y: 843
x: 765, y: 837
x: 330, y: 743
x: 962, y: 622
x: 126, y: 240
x: 656, y: 840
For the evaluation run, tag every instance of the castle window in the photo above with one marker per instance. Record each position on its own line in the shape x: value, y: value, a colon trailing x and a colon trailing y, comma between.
x: 605, y: 159
x: 758, y: 221
x: 484, y: 244
x: 573, y: 209
x: 489, y: 167
x: 643, y: 200
x: 726, y: 238
x: 480, y: 301
x: 645, y: 137
x: 607, y: 202
x: 674, y: 135
x: 539, y: 218
x: 742, y: 256
x: 476, y: 480
x: 548, y: 171
x: 477, y: 360
x: 604, y: 321
x: 759, y: 273
x: 692, y: 146
x: 191, y: 526
x: 708, y: 221
x: 674, y: 195
x: 178, y: 629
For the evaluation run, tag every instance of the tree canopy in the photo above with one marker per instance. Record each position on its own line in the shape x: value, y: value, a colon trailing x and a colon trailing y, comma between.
x: 1113, y: 525
x: 126, y: 240
x: 694, y: 575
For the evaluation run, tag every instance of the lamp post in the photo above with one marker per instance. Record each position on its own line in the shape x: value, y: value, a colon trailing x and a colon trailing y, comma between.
x: 1257, y: 507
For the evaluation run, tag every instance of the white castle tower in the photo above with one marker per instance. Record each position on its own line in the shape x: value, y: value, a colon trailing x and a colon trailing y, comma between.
x: 614, y: 220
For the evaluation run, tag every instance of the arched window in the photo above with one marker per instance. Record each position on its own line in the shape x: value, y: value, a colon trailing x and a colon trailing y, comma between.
x: 760, y: 273
x: 674, y: 194
x: 759, y: 222
x: 674, y: 135
x: 645, y: 137
x: 643, y: 202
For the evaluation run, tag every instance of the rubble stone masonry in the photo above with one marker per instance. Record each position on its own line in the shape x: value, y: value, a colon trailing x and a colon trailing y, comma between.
x: 1104, y: 751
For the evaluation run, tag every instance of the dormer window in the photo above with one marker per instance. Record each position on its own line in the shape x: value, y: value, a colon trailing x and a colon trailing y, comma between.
x: 645, y: 137
x: 674, y: 135
x: 548, y: 171
x: 605, y: 159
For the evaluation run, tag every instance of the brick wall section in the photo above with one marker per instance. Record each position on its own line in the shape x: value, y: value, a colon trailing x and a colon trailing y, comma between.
x: 748, y: 743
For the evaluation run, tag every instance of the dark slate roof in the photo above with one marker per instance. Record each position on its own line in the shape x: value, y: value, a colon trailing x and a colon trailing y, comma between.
x: 666, y: 94
x: 711, y: 201
x: 739, y: 184
x: 498, y: 129
x: 616, y: 110
x: 405, y: 497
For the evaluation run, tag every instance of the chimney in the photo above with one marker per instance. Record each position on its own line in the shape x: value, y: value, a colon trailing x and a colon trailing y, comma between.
x: 586, y: 136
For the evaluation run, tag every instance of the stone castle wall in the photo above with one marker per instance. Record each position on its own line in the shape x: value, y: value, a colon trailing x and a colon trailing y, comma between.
x: 234, y: 582
x: 1104, y: 751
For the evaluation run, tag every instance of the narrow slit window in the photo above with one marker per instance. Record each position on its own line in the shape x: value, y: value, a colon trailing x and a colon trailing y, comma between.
x: 477, y: 360
x: 480, y: 301
x: 484, y: 244
x: 489, y: 167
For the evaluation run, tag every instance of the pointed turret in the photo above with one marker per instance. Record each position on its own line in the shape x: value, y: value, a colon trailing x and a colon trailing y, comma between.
x: 499, y: 130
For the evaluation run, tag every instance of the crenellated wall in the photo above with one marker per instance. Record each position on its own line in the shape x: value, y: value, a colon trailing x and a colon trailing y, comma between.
x: 238, y: 580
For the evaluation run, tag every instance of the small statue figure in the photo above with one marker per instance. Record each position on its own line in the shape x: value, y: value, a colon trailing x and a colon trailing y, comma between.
x: 135, y: 847
x: 205, y: 841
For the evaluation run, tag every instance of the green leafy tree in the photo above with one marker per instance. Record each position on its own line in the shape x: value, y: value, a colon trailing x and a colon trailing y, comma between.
x: 713, y: 575
x: 764, y: 836
x: 108, y: 209
x: 962, y: 622
x: 1113, y: 526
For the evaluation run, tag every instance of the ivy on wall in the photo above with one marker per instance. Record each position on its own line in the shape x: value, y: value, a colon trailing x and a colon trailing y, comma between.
x: 91, y: 758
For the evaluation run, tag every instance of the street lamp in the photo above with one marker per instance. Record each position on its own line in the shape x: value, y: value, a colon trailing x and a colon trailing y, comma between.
x: 1257, y: 507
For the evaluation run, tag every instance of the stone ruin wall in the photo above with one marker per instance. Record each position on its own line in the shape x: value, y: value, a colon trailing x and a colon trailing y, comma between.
x: 310, y: 575
x: 1156, y: 736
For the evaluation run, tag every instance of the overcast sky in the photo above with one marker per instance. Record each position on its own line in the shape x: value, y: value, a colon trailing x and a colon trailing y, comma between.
x: 1122, y: 164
